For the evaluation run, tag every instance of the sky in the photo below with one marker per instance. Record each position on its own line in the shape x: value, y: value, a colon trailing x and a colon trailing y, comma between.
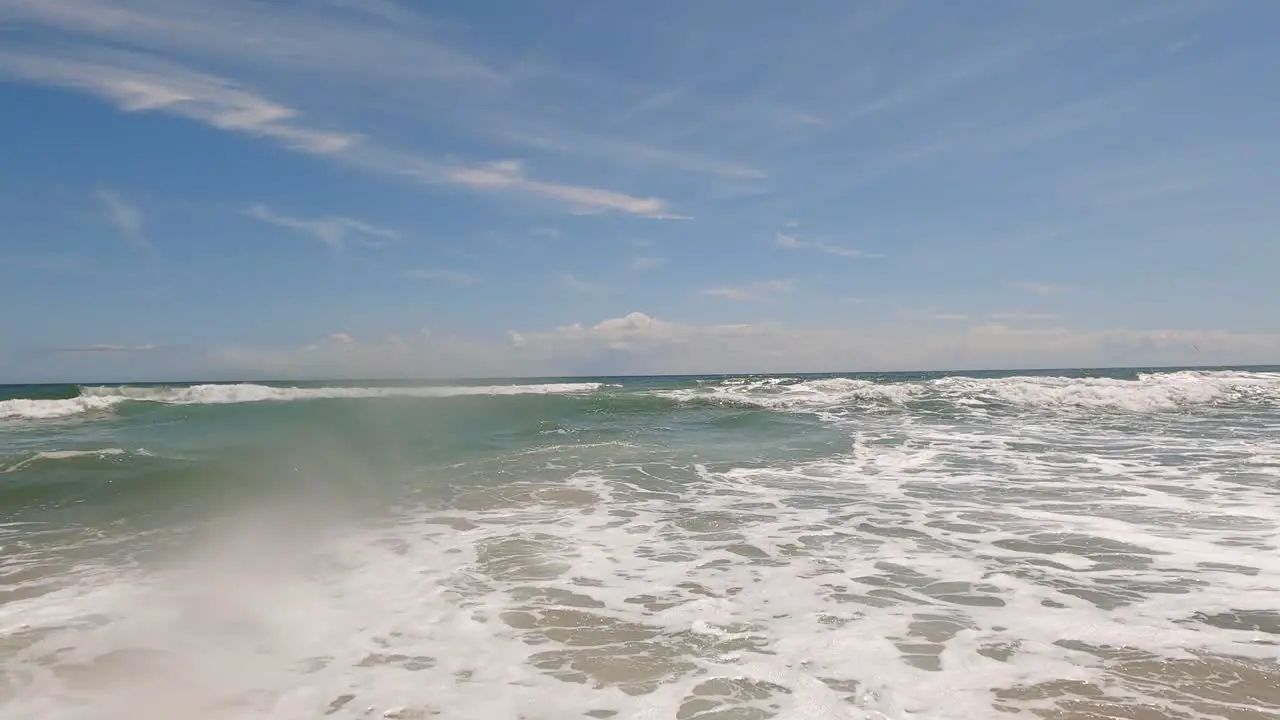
x: 221, y: 189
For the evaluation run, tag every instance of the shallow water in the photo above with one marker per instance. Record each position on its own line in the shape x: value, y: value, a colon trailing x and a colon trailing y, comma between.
x: 1069, y: 545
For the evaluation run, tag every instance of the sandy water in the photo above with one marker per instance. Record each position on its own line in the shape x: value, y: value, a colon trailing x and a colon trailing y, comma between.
x: 1057, y: 546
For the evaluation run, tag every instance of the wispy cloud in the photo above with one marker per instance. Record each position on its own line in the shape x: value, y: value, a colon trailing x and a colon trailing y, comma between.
x: 44, y: 263
x: 140, y: 83
x: 547, y: 232
x: 445, y: 275
x: 1041, y: 289
x: 137, y: 83
x: 123, y: 216
x: 332, y: 231
x: 574, y: 282
x: 933, y: 315
x: 791, y: 241
x: 106, y: 349
x: 646, y: 263
x: 631, y: 154
x: 753, y: 291
x: 1021, y: 316
x: 509, y: 175
x: 345, y: 42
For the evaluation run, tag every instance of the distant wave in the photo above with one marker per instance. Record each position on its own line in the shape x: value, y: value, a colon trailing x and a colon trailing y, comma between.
x: 1147, y: 393
x: 105, y: 398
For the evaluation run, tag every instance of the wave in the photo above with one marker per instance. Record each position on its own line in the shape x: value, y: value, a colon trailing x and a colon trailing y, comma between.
x: 104, y: 398
x: 52, y: 455
x: 1140, y: 392
x: 22, y: 408
x: 1147, y: 392
x: 792, y: 394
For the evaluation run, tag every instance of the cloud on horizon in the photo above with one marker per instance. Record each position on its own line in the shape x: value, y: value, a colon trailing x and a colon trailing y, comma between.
x: 640, y: 344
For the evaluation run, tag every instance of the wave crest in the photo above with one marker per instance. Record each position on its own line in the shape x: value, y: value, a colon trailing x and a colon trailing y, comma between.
x: 104, y: 398
x: 1148, y: 392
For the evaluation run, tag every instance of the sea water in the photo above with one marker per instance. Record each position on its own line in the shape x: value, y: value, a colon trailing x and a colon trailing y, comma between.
x: 1070, y: 545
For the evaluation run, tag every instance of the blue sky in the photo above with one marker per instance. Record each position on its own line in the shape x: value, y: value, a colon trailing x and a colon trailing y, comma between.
x: 201, y: 188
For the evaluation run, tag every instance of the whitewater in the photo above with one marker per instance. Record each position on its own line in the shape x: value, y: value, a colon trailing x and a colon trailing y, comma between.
x: 1074, y: 545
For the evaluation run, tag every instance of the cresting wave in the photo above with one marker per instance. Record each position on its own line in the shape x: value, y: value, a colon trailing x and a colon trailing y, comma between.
x: 1147, y: 393
x: 104, y: 398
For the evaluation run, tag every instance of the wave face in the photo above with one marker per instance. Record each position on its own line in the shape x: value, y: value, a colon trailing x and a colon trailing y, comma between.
x: 878, y: 547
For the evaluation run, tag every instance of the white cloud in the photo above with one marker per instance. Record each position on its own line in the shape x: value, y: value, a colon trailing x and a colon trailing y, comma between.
x: 547, y: 232
x: 753, y: 291
x: 109, y: 349
x: 1021, y: 316
x: 792, y: 241
x: 137, y: 83
x: 346, y: 42
x: 934, y: 316
x: 630, y: 154
x: 507, y: 175
x: 456, y: 277
x: 574, y: 282
x: 332, y: 231
x: 123, y: 216
x: 641, y: 344
x: 646, y: 263
x: 1041, y: 289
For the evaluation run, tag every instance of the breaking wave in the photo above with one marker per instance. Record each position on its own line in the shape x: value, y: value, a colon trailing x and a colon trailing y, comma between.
x: 1141, y: 393
x: 103, y: 398
x: 1147, y: 392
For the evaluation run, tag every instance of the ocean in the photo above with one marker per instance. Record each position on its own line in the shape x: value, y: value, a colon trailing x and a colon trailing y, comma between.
x: 1074, y: 545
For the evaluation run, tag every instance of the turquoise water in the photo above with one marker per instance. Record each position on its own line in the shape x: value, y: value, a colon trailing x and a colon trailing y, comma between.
x: 1076, y: 544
